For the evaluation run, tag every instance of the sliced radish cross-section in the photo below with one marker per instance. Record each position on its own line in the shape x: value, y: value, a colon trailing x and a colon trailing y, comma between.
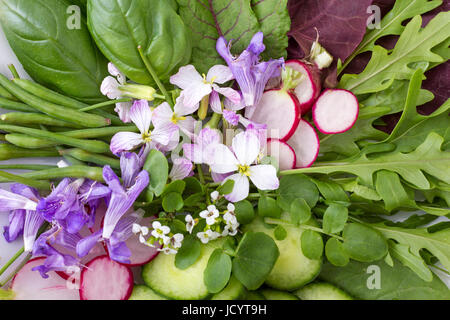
x: 29, y: 285
x: 282, y: 152
x: 280, y: 111
x: 305, y: 143
x: 335, y: 111
x: 105, y: 279
x: 309, y: 88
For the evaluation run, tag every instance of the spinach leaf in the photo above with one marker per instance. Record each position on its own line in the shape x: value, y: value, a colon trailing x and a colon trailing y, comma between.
x: 63, y: 59
x: 119, y: 27
x: 396, y: 283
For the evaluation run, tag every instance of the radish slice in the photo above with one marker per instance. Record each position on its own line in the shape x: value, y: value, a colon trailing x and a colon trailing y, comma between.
x: 105, y: 279
x: 29, y: 285
x: 335, y: 111
x: 280, y: 111
x: 309, y: 89
x: 305, y: 143
x: 282, y: 152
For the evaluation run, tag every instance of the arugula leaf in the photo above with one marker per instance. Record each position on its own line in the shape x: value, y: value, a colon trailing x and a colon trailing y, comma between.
x: 208, y: 20
x: 273, y: 17
x: 414, y: 45
x: 427, y: 157
x: 391, y: 24
x: 399, y: 282
x: 390, y: 189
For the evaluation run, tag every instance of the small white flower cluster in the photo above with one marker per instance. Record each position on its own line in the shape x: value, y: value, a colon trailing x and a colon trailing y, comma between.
x: 160, y: 237
x: 217, y: 224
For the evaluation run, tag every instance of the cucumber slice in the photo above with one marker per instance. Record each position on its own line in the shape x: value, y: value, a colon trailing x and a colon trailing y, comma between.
x: 166, y: 279
x: 322, y: 291
x: 271, y: 294
x: 292, y: 269
x: 141, y: 292
x: 254, y: 295
x: 233, y: 291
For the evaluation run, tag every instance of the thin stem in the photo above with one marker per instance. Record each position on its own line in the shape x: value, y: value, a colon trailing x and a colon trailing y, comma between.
x: 214, y: 121
x: 155, y: 77
x: 16, y: 270
x: 11, y: 261
x: 13, y: 70
x: 26, y: 167
x: 106, y: 103
x: 200, y: 174
x: 40, y: 185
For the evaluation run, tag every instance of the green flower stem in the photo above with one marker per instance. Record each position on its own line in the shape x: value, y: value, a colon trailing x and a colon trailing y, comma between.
x: 5, y: 94
x: 85, y: 156
x: 25, y: 167
x: 19, y: 267
x: 77, y: 171
x: 26, y: 119
x: 13, y: 70
x: 8, y: 151
x: 258, y: 195
x: 302, y: 226
x: 40, y: 185
x: 104, y: 104
x: 200, y: 174
x: 11, y: 261
x: 155, y: 77
x: 214, y: 121
x: 14, y: 105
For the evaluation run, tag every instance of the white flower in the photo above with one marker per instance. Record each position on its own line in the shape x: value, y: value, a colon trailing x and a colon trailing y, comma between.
x: 168, y: 250
x: 159, y: 231
x: 181, y: 169
x: 207, y: 236
x: 190, y: 223
x: 176, y: 240
x: 178, y: 116
x: 210, y: 214
x: 137, y: 228
x: 195, y: 86
x: 214, y: 195
x: 246, y: 148
x: 202, y: 150
x: 230, y: 230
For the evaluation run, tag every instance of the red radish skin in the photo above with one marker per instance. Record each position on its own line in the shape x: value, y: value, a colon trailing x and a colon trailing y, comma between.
x: 335, y: 111
x: 29, y: 285
x: 309, y: 89
x: 280, y: 111
x: 105, y: 279
x: 306, y: 144
x: 283, y: 152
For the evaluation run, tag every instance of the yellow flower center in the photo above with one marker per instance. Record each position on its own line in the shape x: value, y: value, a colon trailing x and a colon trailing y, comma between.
x: 147, y: 136
x: 176, y: 118
x: 244, y: 170
x: 208, y: 82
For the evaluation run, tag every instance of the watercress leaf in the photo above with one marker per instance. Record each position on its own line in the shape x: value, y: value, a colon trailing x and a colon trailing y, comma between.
x: 335, y: 253
x: 226, y: 188
x: 296, y: 186
x: 312, y: 244
x: 229, y: 246
x: 158, y: 169
x: 188, y: 253
x: 399, y: 283
x: 267, y: 207
x: 177, y: 186
x: 193, y: 200
x: 391, y: 190
x: 172, y: 202
x: 273, y: 18
x: 54, y: 55
x: 177, y: 226
x: 217, y: 272
x: 300, y: 211
x: 193, y: 186
x: 255, y: 257
x: 331, y: 190
x: 208, y: 20
x: 119, y: 27
x: 244, y: 212
x: 280, y: 233
x: 414, y: 45
x: 335, y: 218
x: 402, y: 253
x: 363, y: 243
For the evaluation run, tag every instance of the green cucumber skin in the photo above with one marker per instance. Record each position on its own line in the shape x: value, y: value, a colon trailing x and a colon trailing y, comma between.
x: 279, y: 277
x: 271, y: 294
x: 322, y: 291
x: 142, y: 292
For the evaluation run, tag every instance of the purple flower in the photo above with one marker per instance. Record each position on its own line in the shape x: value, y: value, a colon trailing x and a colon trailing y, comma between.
x: 202, y: 150
x: 123, y: 196
x: 181, y: 169
x: 251, y: 75
x: 231, y: 117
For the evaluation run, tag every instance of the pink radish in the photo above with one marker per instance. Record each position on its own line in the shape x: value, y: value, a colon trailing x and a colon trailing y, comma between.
x: 280, y: 111
x: 305, y: 143
x: 335, y: 111
x: 309, y: 88
x: 105, y: 279
x: 29, y: 285
x: 282, y: 152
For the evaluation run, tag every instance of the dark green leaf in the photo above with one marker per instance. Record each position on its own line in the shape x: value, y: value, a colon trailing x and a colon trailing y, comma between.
x: 331, y: 190
x: 226, y: 188
x: 158, y: 170
x: 334, y: 218
x: 194, y: 199
x: 119, y: 27
x: 335, y: 253
x: 244, y: 212
x: 175, y: 186
x: 363, y: 243
x: 189, y: 252
x: 312, y: 244
x: 300, y: 211
x: 193, y: 186
x: 267, y: 207
x: 391, y: 190
x: 218, y: 271
x: 172, y: 202
x: 296, y: 186
x: 177, y: 226
x: 255, y: 257
x: 280, y: 233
